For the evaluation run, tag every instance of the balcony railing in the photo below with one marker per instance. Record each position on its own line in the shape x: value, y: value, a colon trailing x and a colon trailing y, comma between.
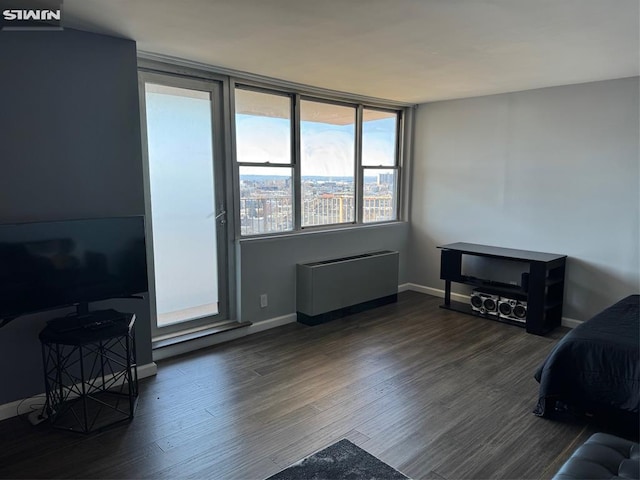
x: 265, y: 214
x: 270, y: 213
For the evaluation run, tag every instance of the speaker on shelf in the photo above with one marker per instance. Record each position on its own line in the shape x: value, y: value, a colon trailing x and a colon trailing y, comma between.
x: 505, y: 306
x: 485, y: 303
x: 512, y: 309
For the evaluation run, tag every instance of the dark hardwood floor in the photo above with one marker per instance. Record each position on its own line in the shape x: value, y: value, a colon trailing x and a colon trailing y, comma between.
x: 433, y: 393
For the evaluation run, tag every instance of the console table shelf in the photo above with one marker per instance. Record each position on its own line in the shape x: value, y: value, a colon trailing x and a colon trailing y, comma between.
x: 543, y: 294
x: 499, y: 288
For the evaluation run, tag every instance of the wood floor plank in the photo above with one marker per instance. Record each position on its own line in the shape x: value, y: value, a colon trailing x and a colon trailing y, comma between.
x: 432, y: 392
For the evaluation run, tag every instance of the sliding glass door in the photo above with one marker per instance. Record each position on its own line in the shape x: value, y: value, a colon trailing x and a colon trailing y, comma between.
x: 186, y: 211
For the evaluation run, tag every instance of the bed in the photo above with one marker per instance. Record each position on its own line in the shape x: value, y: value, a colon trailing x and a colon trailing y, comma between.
x: 595, y: 368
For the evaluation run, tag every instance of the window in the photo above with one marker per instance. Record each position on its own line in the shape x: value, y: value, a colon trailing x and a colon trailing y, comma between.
x: 263, y: 152
x: 380, y: 165
x: 327, y: 163
x: 322, y: 163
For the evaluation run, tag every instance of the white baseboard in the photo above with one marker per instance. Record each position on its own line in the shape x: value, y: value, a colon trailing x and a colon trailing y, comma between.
x: 273, y: 322
x: 436, y: 292
x: 570, y: 322
x: 147, y: 370
x: 209, y: 340
x: 12, y: 409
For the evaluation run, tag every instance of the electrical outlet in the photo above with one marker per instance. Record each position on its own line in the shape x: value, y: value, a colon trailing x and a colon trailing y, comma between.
x: 264, y: 300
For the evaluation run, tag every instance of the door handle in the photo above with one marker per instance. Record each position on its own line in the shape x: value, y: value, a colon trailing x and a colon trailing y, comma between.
x: 221, y: 216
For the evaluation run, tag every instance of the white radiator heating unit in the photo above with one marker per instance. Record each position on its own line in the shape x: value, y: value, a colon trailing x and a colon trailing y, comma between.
x: 334, y: 288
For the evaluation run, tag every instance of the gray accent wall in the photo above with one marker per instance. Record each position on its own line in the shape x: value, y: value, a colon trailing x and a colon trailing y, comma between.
x: 553, y: 170
x: 268, y: 265
x: 69, y: 148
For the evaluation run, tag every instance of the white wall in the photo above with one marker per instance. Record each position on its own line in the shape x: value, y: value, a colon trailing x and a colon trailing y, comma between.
x: 554, y: 170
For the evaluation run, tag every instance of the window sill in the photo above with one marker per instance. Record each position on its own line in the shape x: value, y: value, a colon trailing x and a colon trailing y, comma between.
x: 319, y: 230
x: 180, y: 337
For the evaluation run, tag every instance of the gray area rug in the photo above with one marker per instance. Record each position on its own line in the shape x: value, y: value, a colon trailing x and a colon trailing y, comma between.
x: 342, y: 460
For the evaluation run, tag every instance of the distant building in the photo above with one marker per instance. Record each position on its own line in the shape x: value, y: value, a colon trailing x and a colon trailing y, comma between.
x: 266, y: 204
x: 386, y: 179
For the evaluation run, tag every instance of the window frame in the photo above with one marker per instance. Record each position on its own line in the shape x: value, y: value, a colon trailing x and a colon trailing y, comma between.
x: 292, y: 158
x: 308, y: 98
x: 396, y: 163
x: 222, y: 199
x: 296, y: 97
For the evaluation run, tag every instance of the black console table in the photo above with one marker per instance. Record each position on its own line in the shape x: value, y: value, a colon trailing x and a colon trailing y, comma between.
x: 542, y: 288
x: 90, y: 370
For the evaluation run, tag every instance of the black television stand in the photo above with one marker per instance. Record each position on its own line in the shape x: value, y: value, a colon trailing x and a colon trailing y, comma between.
x: 543, y: 294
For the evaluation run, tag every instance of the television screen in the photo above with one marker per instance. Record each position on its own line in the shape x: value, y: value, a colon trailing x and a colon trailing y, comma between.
x: 55, y: 264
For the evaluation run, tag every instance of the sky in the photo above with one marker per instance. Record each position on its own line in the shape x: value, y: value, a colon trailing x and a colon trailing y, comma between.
x: 326, y: 150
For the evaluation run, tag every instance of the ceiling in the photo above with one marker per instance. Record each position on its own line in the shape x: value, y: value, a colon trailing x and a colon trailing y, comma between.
x: 411, y: 51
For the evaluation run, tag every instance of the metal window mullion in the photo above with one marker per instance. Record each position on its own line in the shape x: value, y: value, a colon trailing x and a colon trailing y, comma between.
x: 265, y: 164
x: 221, y: 205
x: 359, y: 172
x: 235, y: 168
x: 296, y: 159
x: 397, y: 198
x: 398, y: 145
x: 399, y: 159
x: 226, y: 131
x: 379, y: 167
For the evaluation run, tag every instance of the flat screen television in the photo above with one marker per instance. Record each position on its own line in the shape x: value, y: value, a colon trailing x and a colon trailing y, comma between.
x: 50, y: 265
